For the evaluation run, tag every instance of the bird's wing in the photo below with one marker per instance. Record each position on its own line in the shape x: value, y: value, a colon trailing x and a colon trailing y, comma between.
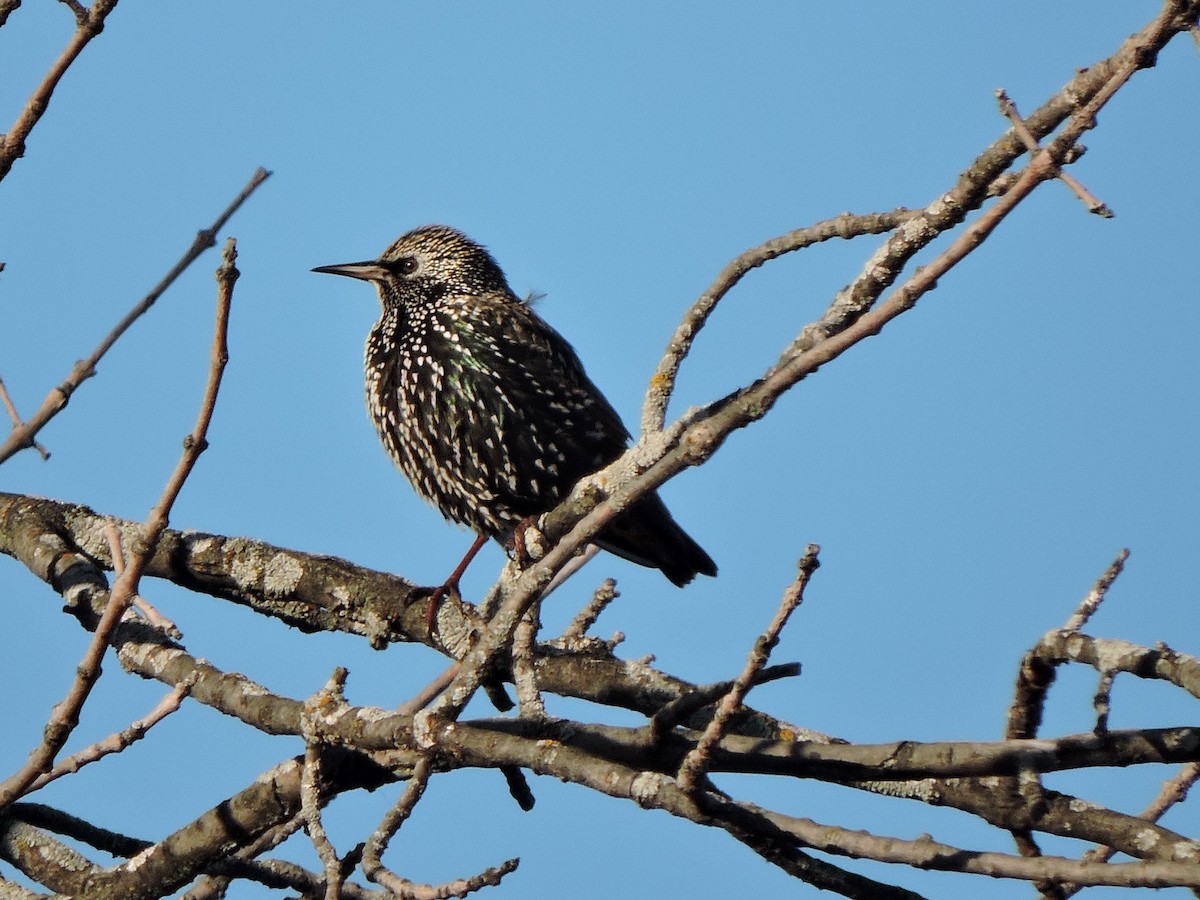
x: 553, y: 426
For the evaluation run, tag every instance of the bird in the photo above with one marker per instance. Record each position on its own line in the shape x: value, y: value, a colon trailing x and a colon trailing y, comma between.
x: 487, y: 410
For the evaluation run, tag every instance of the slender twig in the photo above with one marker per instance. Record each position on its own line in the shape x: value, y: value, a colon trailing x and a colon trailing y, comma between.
x: 15, y: 418
x: 57, y: 399
x: 425, y: 696
x: 1092, y: 600
x: 577, y: 562
x: 65, y: 716
x: 662, y: 382
x: 586, y: 554
x: 377, y: 872
x: 1009, y: 110
x: 926, y: 853
x: 586, y: 617
x: 692, y: 702
x: 695, y: 764
x: 115, y: 743
x: 316, y: 708
x: 401, y: 887
x: 90, y: 23
x: 310, y: 801
x: 140, y: 603
x: 377, y: 843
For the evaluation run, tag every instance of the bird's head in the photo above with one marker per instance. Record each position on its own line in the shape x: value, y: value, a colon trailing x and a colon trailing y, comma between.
x: 426, y: 264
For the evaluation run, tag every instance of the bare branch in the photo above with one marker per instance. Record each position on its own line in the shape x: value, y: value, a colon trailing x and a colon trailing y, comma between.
x: 1174, y: 791
x: 152, y: 615
x: 15, y: 418
x: 667, y: 763
x: 44, y: 859
x: 117, y: 742
x: 586, y: 617
x: 696, y: 763
x: 377, y: 843
x: 1009, y: 110
x: 66, y: 713
x: 846, y: 226
x: 312, y: 720
x: 311, y: 805
x: 90, y: 23
x: 524, y: 666
x: 1090, y: 603
x: 23, y: 436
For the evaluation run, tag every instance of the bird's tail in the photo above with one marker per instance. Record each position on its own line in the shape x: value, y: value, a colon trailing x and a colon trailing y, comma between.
x: 647, y: 535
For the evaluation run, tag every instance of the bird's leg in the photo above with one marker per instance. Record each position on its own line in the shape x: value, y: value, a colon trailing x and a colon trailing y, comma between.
x: 451, y: 583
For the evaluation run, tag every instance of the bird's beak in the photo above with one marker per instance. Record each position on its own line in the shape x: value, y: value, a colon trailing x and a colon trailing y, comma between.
x: 368, y: 270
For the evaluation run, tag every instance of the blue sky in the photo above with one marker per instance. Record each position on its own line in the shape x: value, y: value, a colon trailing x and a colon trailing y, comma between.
x: 968, y: 473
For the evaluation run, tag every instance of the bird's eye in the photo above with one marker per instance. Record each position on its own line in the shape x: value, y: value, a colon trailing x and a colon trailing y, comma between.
x: 405, y: 265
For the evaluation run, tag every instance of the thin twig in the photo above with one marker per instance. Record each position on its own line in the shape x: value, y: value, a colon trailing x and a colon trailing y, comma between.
x: 682, y: 707
x: 377, y: 872
x: 57, y: 399
x: 425, y: 696
x: 90, y: 24
x: 316, y: 707
x: 310, y: 799
x: 1091, y: 602
x: 377, y: 843
x: 662, y: 382
x: 695, y: 764
x: 577, y: 562
x: 140, y: 603
x: 15, y: 418
x: 586, y: 617
x: 65, y: 716
x: 1009, y: 110
x: 115, y: 743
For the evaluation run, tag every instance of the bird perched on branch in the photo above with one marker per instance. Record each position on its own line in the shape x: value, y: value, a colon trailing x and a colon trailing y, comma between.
x: 486, y: 409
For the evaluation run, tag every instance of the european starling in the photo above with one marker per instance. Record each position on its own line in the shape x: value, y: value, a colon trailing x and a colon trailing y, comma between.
x: 486, y: 409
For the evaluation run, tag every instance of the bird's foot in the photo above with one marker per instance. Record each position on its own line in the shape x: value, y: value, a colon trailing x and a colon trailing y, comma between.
x: 450, y: 586
x: 436, y: 596
x: 528, y: 542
